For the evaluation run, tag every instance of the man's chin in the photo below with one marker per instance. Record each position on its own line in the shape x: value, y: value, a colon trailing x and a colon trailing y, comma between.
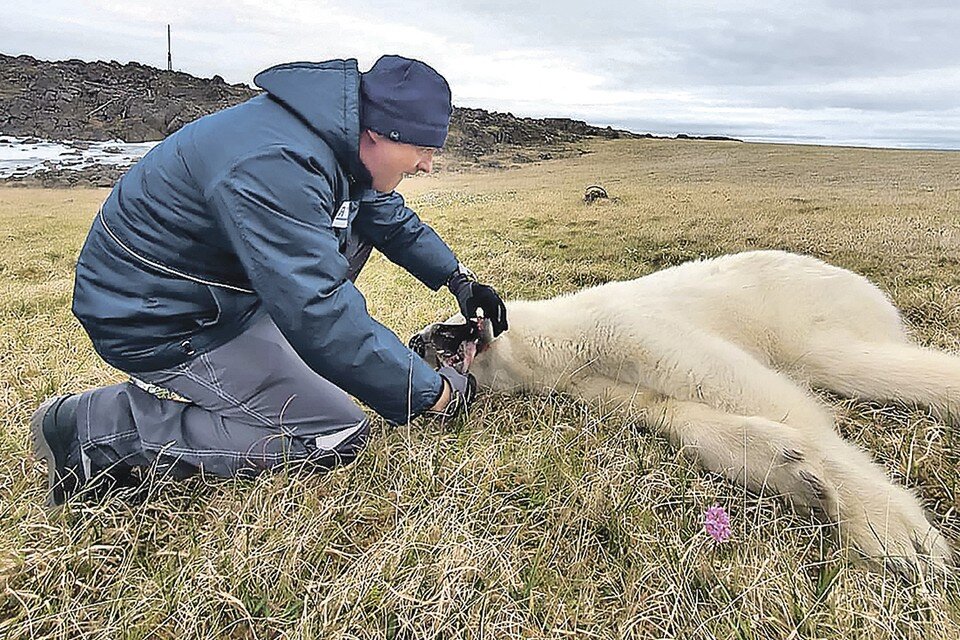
x: 387, y: 186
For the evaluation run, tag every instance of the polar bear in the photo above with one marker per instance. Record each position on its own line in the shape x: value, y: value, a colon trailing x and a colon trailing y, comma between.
x: 719, y: 356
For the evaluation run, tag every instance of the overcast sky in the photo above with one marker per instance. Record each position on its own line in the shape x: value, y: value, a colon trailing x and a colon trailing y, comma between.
x: 871, y: 72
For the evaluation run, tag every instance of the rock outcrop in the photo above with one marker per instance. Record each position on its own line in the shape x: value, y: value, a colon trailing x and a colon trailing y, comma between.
x: 76, y: 100
x: 132, y: 102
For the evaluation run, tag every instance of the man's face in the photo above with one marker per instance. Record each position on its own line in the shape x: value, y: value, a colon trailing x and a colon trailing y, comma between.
x: 389, y: 161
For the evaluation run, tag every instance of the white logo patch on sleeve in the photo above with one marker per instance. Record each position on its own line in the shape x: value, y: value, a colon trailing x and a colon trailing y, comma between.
x: 342, y: 217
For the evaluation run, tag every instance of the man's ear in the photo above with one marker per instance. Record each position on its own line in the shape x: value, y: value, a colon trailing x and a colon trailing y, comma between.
x: 373, y: 135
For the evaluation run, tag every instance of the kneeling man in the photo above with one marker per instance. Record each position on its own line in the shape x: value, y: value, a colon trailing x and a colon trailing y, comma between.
x: 219, y: 275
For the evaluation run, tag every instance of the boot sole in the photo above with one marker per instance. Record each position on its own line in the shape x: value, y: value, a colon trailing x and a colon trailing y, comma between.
x: 41, y: 448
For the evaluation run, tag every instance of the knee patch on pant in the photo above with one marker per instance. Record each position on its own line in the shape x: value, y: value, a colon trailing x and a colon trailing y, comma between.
x: 339, y: 448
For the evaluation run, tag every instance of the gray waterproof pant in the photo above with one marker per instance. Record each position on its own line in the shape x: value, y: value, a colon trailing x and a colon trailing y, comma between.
x: 244, y: 407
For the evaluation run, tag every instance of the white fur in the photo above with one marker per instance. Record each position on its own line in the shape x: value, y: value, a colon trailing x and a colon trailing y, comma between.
x: 718, y: 355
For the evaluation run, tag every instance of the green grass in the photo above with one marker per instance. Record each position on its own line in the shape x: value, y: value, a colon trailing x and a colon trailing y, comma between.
x: 538, y: 516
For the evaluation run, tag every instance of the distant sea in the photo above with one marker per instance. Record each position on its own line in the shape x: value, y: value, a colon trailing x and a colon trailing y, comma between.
x: 873, y: 143
x: 23, y: 156
x: 834, y: 135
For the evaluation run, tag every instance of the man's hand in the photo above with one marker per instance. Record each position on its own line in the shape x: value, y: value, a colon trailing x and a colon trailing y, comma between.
x: 459, y: 391
x: 471, y: 296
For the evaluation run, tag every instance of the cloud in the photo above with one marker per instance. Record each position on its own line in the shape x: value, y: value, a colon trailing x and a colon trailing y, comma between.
x: 801, y: 69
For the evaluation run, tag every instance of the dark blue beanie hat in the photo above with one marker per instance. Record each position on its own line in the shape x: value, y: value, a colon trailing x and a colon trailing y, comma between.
x: 405, y: 100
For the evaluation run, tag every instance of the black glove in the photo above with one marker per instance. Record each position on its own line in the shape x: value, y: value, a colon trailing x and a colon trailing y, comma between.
x: 463, y: 390
x: 471, y: 295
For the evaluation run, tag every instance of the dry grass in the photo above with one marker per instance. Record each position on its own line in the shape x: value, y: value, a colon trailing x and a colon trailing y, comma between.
x: 537, y: 516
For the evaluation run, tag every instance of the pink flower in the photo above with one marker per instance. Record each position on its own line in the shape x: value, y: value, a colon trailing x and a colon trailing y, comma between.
x: 717, y: 523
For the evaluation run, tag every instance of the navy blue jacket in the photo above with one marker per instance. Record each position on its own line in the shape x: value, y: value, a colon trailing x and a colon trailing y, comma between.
x: 246, y: 211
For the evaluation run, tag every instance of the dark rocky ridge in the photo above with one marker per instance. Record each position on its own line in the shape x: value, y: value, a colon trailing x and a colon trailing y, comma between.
x: 76, y: 100
x: 132, y: 102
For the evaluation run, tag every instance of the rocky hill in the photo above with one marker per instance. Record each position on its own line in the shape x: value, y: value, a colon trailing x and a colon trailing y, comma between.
x: 77, y: 100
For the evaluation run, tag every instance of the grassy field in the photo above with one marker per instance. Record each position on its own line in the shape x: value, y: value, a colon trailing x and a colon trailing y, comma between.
x: 537, y: 516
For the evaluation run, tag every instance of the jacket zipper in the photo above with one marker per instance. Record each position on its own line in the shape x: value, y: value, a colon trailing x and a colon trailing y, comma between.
x: 165, y: 269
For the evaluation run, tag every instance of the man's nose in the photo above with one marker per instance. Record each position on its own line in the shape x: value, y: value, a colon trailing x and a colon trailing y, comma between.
x: 426, y: 164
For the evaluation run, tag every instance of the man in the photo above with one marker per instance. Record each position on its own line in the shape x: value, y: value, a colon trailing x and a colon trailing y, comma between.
x: 219, y: 274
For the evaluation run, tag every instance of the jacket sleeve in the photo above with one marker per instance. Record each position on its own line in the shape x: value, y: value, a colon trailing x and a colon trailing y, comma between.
x: 276, y: 209
x: 398, y: 233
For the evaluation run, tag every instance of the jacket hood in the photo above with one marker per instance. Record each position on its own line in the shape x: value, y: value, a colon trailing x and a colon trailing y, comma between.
x: 326, y: 96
